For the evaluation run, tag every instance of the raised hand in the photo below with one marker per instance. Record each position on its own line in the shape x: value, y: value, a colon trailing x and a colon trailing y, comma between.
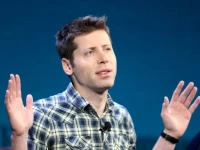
x: 21, y: 118
x: 176, y: 115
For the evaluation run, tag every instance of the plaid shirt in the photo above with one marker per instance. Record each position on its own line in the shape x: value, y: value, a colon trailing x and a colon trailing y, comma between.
x: 68, y: 121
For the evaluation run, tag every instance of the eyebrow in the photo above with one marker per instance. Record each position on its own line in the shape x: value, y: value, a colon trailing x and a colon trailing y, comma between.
x: 93, y: 47
x: 106, y: 45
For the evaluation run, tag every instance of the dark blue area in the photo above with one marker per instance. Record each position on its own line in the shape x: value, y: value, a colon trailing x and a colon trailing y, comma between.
x: 157, y: 44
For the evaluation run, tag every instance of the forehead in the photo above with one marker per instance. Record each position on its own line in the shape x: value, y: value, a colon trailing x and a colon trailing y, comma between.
x: 95, y: 38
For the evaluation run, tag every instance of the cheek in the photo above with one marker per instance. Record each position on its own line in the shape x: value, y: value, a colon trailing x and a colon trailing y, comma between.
x: 113, y: 56
x: 114, y: 60
x: 83, y: 69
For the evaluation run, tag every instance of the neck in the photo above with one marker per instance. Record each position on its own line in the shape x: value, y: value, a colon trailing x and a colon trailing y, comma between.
x: 96, y: 99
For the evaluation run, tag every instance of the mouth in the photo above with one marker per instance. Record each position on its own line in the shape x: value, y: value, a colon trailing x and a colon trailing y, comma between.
x: 104, y: 72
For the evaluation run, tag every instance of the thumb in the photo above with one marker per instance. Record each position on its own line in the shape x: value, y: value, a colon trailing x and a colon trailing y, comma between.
x: 165, y: 104
x: 29, y: 101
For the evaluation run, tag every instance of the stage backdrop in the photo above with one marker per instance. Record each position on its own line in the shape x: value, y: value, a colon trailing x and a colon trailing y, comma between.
x: 157, y: 44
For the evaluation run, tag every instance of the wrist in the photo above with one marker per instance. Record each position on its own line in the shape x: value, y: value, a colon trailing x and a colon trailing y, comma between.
x: 168, y: 137
x: 19, y: 141
x: 15, y: 135
x: 171, y: 133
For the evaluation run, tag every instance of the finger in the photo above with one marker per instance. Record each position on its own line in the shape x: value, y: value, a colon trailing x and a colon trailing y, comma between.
x: 177, y: 91
x: 194, y: 105
x: 190, y: 97
x: 12, y: 77
x: 18, y: 86
x: 7, y: 101
x: 165, y: 104
x: 185, y: 93
x: 10, y: 86
x: 29, y: 102
x: 10, y: 96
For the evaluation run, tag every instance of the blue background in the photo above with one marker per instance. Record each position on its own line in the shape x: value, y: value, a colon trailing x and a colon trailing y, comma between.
x: 157, y: 44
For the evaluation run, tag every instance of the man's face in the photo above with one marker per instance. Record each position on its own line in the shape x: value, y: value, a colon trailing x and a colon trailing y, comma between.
x: 94, y: 62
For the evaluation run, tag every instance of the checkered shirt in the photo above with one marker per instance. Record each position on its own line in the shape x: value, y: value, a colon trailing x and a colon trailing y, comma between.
x: 67, y: 121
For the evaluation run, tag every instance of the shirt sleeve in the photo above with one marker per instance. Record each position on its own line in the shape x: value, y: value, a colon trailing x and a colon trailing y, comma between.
x: 127, y: 127
x: 39, y: 136
x: 132, y: 134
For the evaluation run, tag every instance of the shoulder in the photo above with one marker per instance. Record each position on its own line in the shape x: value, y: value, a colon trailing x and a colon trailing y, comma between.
x: 52, y: 108
x: 117, y: 108
x: 121, y: 113
x: 120, y: 109
x: 50, y: 101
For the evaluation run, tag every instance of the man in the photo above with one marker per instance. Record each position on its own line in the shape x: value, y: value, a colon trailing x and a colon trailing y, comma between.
x: 84, y: 116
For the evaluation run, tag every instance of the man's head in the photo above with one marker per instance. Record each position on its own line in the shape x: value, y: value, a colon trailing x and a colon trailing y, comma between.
x: 85, y: 48
x: 65, y: 37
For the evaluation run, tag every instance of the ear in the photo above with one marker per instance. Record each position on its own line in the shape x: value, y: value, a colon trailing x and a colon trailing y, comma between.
x: 67, y: 67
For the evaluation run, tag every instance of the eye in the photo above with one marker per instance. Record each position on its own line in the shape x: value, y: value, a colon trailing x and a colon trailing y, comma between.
x: 89, y: 52
x: 107, y: 48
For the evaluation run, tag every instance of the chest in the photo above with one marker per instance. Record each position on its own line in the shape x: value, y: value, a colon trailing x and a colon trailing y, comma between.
x: 86, y: 132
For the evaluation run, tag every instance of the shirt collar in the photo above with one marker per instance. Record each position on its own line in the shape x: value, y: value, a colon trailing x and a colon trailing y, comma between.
x: 77, y: 100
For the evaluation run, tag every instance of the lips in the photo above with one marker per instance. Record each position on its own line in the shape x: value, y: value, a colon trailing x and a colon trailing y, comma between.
x: 103, y: 71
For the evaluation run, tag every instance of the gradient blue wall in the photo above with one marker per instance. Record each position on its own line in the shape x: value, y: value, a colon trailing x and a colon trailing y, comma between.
x: 157, y: 44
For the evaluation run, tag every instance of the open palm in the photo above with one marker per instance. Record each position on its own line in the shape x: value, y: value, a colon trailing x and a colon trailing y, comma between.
x: 176, y: 115
x: 21, y: 118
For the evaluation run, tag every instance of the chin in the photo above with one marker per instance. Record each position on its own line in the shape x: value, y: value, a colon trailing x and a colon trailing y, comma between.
x: 104, y: 87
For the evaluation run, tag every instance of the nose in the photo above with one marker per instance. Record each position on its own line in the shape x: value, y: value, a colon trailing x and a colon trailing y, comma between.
x: 103, y: 57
